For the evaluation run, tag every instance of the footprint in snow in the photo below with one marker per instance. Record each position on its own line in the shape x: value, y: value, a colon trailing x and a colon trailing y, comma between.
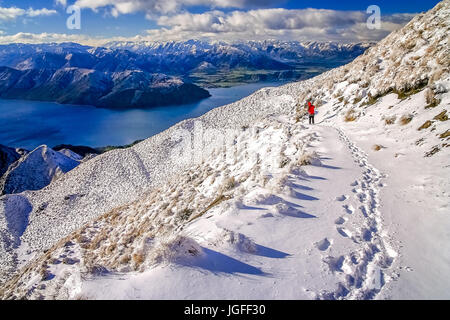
x: 362, y: 197
x: 267, y: 215
x: 364, y: 210
x: 354, y: 184
x: 344, y: 232
x: 323, y: 244
x: 342, y: 198
x: 366, y: 235
x: 340, y: 220
x: 349, y: 209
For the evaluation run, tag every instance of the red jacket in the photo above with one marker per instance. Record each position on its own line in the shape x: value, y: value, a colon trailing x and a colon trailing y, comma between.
x: 310, y: 108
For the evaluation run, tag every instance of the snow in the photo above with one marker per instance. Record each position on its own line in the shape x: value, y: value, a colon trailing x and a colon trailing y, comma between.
x: 69, y: 153
x: 245, y: 202
x: 273, y: 243
x: 36, y: 170
x: 415, y: 202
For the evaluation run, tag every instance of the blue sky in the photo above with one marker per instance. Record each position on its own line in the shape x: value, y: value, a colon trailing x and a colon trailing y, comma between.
x: 104, y: 20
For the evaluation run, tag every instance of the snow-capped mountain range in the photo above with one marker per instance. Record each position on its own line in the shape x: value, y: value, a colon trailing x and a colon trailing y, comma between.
x: 145, y: 75
x: 244, y: 52
x: 249, y: 202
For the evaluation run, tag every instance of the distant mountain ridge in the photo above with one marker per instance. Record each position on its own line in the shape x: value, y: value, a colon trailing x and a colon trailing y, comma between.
x: 165, y: 57
x: 125, y: 89
x: 219, y: 63
x: 281, y: 51
x: 132, y: 74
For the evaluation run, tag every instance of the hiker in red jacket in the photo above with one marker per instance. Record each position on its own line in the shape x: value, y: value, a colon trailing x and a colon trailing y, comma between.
x: 311, y: 112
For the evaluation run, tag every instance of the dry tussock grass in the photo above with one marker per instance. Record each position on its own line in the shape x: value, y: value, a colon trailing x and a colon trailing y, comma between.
x: 442, y: 116
x: 350, y: 116
x: 405, y: 119
x: 378, y: 147
x: 390, y: 120
x: 307, y: 158
x: 426, y: 125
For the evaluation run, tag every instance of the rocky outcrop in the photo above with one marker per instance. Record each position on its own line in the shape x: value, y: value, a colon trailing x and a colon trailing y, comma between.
x: 7, y: 157
x: 36, y: 170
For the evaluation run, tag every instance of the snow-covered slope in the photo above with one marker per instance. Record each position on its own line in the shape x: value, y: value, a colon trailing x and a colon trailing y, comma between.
x: 220, y: 216
x: 36, y: 170
x: 70, y: 154
x: 247, y: 198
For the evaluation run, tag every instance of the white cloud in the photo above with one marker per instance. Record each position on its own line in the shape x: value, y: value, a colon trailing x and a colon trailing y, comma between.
x: 35, y: 38
x: 40, y: 12
x: 9, y: 14
x: 12, y: 13
x: 155, y: 7
x: 282, y: 24
x: 23, y: 37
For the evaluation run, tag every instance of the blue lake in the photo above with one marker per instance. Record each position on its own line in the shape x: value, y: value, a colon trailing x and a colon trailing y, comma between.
x: 28, y: 124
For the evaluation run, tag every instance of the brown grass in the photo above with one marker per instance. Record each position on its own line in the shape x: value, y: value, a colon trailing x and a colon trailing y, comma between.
x: 350, y: 116
x: 185, y: 214
x: 229, y: 184
x: 371, y: 100
x: 410, y: 44
x: 433, y: 103
x: 426, y: 125
x: 138, y: 258
x: 429, y: 95
x: 405, y: 119
x: 390, y: 120
x: 445, y: 135
x: 441, y: 116
x: 356, y: 100
x: 306, y: 159
x: 217, y: 201
x: 125, y: 259
x: 378, y: 147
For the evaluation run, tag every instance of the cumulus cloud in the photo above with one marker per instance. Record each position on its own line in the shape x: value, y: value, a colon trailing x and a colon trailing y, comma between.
x: 9, y: 14
x: 155, y: 7
x: 36, y: 38
x: 260, y: 24
x: 25, y: 37
x: 282, y: 24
